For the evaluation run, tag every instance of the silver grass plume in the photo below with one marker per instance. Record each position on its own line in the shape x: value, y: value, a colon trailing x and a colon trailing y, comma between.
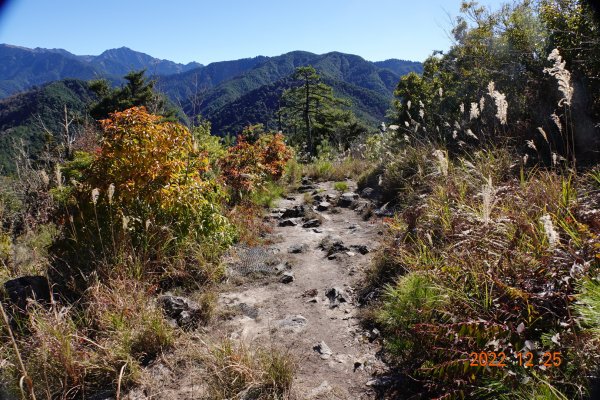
x: 473, y: 112
x: 562, y: 76
x: 551, y: 233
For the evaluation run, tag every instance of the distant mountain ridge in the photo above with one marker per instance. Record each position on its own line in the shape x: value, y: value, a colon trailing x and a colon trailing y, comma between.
x: 38, y: 83
x: 22, y: 68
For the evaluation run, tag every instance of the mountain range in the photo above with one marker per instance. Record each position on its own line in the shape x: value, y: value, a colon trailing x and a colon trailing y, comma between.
x: 230, y: 94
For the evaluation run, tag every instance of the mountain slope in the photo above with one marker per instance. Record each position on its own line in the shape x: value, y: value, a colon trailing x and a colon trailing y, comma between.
x: 400, y: 67
x: 184, y: 86
x: 120, y: 61
x: 253, y: 96
x: 22, y: 68
x: 21, y: 117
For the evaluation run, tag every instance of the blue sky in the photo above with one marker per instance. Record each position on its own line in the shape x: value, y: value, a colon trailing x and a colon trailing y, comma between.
x: 208, y: 31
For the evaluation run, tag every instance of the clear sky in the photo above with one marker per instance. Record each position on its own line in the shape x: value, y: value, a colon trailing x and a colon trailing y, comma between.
x: 207, y: 31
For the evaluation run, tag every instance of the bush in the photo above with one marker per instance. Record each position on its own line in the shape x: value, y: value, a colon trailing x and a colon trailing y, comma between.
x: 247, y: 166
x: 486, y: 262
x: 147, y: 197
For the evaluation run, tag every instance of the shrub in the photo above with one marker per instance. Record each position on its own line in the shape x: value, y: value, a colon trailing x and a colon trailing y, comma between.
x: 340, y: 186
x: 486, y: 262
x: 247, y: 166
x: 147, y: 196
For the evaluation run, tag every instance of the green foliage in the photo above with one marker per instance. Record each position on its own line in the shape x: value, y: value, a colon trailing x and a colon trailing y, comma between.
x: 310, y: 112
x: 412, y: 300
x: 136, y: 93
x: 469, y: 255
x: 340, y: 186
x: 149, y: 194
x: 498, y: 83
x: 31, y: 115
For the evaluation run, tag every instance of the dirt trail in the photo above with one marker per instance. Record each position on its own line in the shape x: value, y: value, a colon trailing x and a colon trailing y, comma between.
x: 314, y: 317
x: 305, y: 312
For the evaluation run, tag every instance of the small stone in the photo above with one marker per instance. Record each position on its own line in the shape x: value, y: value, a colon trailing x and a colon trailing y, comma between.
x: 367, y: 192
x: 323, y: 350
x: 21, y: 289
x: 288, y: 222
x: 318, y: 230
x: 297, y: 248
x: 336, y: 296
x: 323, y: 206
x: 306, y: 188
x: 184, y: 311
x: 294, y: 212
x: 359, y: 365
x: 347, y: 199
x: 312, y: 223
x: 287, y: 277
x: 361, y: 248
x: 293, y: 323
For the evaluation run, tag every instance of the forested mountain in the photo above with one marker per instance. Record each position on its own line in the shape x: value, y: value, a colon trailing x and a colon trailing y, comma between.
x: 368, y: 87
x: 230, y: 94
x: 400, y: 67
x: 25, y: 117
x: 21, y: 67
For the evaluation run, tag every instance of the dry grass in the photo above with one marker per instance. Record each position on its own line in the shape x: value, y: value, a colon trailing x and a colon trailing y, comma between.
x: 477, y: 252
x: 237, y: 372
x: 336, y: 170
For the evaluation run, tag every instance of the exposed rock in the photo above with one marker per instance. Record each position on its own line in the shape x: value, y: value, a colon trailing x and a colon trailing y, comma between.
x: 287, y: 277
x: 323, y: 206
x: 361, y: 206
x: 367, y: 192
x: 297, y: 248
x: 306, y: 180
x: 332, y: 246
x: 294, y: 323
x: 248, y: 310
x: 336, y: 297
x: 346, y: 199
x: 317, y: 198
x: 323, y: 350
x: 323, y: 389
x: 318, y: 230
x: 27, y: 287
x: 294, y: 212
x: 381, y: 381
x: 330, y: 197
x: 385, y: 211
x: 311, y: 223
x: 361, y: 248
x: 181, y: 310
x: 288, y: 222
x: 306, y: 188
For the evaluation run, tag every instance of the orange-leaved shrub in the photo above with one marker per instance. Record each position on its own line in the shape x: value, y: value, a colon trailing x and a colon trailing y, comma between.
x: 248, y: 165
x: 148, y: 194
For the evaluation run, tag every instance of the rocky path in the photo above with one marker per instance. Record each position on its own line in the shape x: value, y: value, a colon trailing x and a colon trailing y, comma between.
x: 319, y: 253
x: 296, y: 294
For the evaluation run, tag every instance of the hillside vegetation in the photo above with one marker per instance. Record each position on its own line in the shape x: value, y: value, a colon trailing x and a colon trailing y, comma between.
x: 482, y: 188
